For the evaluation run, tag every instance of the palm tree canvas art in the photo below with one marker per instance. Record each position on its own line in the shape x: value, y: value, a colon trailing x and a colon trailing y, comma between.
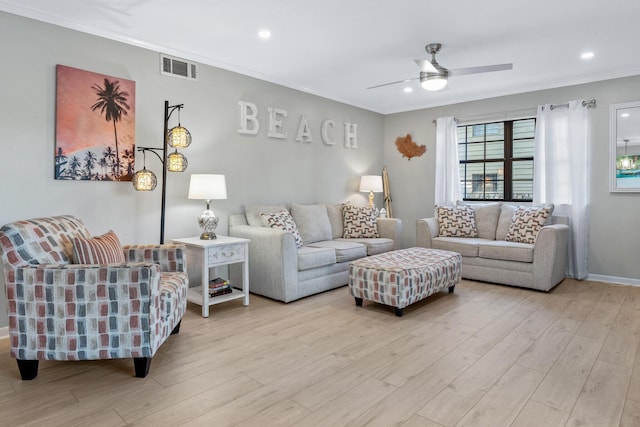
x: 95, y: 126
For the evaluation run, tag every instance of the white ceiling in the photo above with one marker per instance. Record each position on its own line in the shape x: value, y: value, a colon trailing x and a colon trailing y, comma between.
x: 338, y: 48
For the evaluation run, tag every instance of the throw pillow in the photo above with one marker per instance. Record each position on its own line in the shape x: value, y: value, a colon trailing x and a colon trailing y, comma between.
x: 456, y: 221
x: 526, y: 224
x: 105, y: 249
x: 253, y: 212
x: 312, y: 221
x: 359, y: 222
x: 283, y: 221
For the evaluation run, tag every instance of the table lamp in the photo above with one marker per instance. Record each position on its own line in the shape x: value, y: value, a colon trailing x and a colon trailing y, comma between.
x: 371, y: 184
x: 207, y: 187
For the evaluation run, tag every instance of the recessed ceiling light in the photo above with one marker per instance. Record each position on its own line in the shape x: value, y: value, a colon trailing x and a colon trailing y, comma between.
x: 624, y: 115
x: 408, y: 89
x: 587, y: 55
x: 264, y: 34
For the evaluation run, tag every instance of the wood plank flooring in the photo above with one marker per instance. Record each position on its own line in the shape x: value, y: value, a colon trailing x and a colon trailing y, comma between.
x: 487, y: 355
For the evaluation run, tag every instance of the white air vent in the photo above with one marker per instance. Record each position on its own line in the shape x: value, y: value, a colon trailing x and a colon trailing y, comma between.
x: 178, y: 67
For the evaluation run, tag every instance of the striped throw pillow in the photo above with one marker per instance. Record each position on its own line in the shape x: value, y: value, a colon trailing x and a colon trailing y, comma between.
x: 105, y: 249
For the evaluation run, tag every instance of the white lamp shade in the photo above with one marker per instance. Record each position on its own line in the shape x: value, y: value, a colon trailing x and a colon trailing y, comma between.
x: 207, y: 187
x: 371, y: 183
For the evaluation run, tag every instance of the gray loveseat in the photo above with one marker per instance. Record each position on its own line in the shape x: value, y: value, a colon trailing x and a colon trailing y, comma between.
x: 491, y: 258
x: 280, y: 270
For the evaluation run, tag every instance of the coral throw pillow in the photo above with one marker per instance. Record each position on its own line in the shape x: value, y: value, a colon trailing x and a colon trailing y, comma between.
x: 105, y: 249
x: 526, y: 224
x: 456, y: 221
x: 284, y: 221
x: 359, y: 222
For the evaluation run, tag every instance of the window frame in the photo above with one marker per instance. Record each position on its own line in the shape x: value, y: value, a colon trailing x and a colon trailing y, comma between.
x: 507, y: 161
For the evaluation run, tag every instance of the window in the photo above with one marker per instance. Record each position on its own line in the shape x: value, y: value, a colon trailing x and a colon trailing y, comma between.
x: 496, y: 160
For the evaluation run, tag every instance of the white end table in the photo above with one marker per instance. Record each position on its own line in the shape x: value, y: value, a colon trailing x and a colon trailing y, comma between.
x: 203, y: 255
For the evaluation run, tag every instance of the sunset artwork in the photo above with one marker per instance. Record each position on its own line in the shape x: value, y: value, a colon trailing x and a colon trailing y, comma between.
x: 95, y: 126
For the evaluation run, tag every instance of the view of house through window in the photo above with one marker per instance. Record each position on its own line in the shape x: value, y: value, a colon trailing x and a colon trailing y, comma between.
x: 496, y: 160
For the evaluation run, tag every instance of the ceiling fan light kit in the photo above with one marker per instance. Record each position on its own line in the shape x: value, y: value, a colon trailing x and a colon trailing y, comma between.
x: 433, y: 81
x: 434, y: 77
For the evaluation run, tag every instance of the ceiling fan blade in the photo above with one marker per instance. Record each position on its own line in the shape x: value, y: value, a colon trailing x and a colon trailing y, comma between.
x: 426, y: 66
x: 393, y: 83
x: 481, y: 69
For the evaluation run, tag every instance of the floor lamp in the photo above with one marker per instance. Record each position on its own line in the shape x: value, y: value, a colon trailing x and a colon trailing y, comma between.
x: 176, y: 137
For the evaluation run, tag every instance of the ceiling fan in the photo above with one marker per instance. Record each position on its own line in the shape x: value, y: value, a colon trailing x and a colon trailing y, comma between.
x: 434, y: 76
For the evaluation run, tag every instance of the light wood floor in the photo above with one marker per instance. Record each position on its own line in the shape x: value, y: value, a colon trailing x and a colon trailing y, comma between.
x: 486, y: 355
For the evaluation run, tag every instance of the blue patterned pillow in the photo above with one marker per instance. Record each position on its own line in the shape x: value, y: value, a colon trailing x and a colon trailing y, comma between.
x: 283, y: 221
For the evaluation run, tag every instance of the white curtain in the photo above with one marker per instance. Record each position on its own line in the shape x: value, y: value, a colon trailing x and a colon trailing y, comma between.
x: 447, y: 164
x: 562, y: 173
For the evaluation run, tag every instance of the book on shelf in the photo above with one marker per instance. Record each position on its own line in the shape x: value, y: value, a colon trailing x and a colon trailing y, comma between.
x: 218, y: 281
x: 217, y: 293
x: 219, y: 286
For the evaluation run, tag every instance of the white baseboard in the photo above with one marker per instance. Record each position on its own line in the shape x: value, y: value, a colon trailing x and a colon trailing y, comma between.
x: 613, y: 279
x: 4, y: 332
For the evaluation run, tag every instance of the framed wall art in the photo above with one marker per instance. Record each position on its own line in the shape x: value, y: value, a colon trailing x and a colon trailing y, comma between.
x: 95, y: 126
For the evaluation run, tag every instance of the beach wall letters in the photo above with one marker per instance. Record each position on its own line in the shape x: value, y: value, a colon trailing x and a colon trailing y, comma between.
x: 279, y: 126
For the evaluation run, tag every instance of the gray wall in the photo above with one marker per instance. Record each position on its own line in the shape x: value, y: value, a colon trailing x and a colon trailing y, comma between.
x: 258, y: 169
x: 614, y: 230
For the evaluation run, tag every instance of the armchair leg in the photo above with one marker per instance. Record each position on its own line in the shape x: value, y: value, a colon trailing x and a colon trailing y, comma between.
x: 141, y: 365
x: 28, y: 369
x: 176, y: 329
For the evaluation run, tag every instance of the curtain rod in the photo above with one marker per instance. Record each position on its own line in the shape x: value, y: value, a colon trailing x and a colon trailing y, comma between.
x: 589, y: 104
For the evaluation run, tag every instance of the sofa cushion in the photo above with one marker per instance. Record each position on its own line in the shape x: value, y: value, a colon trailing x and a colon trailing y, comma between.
x: 284, y: 222
x: 376, y: 245
x: 508, y: 251
x: 486, y: 216
x: 359, y: 222
x: 526, y: 224
x: 466, y: 246
x: 346, y: 249
x: 334, y: 211
x: 312, y: 257
x: 105, y: 249
x: 312, y: 221
x: 253, y: 213
x: 456, y: 221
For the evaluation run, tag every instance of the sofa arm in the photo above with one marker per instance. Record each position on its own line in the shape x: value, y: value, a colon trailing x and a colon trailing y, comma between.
x: 550, y: 256
x: 170, y: 258
x: 390, y: 228
x: 426, y: 229
x: 83, y: 312
x: 273, y: 262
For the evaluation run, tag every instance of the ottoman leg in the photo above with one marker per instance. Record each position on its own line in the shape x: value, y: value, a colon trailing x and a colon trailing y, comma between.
x: 399, y: 311
x: 451, y: 288
x: 358, y: 301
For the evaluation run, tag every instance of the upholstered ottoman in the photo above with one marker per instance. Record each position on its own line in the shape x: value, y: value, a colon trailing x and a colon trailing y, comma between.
x: 400, y: 278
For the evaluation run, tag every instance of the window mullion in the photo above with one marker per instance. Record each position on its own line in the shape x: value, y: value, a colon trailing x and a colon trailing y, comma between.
x: 508, y: 157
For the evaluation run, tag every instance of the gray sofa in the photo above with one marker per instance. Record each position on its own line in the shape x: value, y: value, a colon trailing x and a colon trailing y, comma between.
x: 490, y: 258
x: 278, y: 269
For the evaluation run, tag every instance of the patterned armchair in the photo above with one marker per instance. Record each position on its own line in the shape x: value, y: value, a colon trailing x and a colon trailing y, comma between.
x: 64, y: 311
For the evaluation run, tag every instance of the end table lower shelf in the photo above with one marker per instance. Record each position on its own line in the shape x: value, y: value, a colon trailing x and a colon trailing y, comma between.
x: 195, y: 295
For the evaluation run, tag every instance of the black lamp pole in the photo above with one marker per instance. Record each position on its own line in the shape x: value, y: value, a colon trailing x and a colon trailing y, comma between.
x: 168, y: 110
